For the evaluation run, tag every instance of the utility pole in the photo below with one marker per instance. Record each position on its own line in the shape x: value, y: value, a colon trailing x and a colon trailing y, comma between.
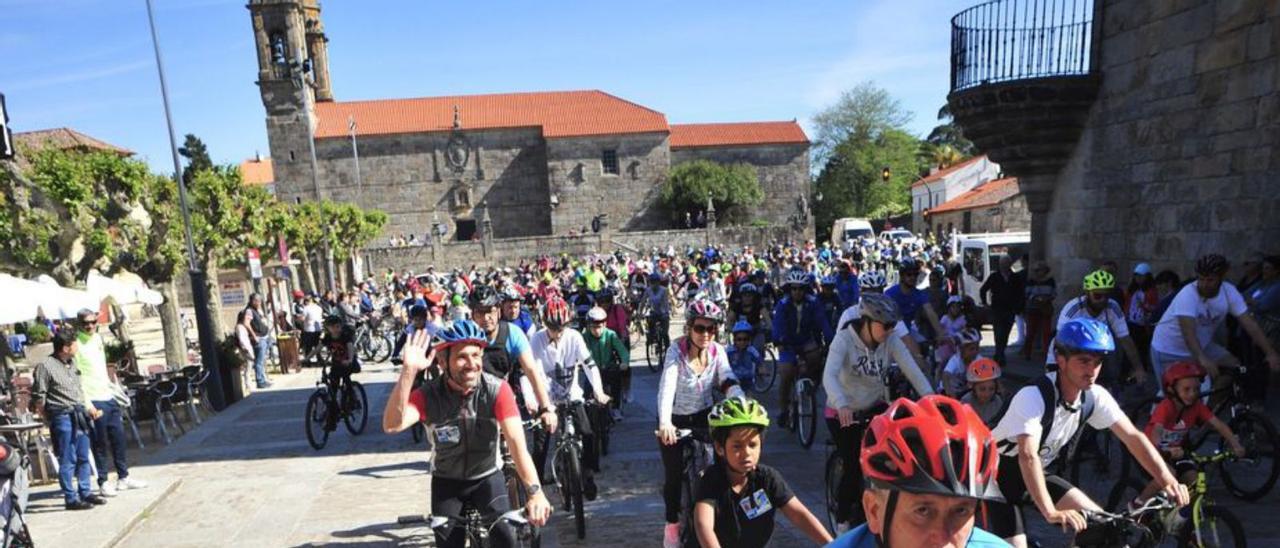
x: 199, y: 288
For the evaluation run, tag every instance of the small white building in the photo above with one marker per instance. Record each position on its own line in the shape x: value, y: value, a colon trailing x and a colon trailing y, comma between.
x: 944, y: 185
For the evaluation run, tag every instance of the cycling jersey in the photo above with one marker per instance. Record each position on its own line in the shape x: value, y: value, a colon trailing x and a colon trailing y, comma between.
x: 557, y: 360
x: 854, y: 375
x: 744, y: 362
x: 909, y: 304
x: 342, y: 351
x: 659, y: 301
x: 465, y: 427
x: 796, y: 325
x: 607, y: 350
x: 848, y: 290
x: 502, y: 354
x: 861, y: 537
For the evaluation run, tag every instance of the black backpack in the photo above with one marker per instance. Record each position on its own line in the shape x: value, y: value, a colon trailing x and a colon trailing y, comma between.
x: 1049, y: 395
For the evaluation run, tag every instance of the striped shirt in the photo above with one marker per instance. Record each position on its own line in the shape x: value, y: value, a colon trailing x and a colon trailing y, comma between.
x: 57, y: 384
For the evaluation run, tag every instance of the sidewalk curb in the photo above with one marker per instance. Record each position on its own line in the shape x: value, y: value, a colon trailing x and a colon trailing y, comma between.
x: 137, y: 519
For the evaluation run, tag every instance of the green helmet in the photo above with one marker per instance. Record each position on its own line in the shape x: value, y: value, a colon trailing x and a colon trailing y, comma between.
x: 1099, y: 279
x: 738, y: 411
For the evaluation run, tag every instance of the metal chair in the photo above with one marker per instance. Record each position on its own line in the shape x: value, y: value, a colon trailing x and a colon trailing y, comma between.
x: 197, y: 377
x: 128, y: 414
x: 148, y: 405
x: 166, y: 391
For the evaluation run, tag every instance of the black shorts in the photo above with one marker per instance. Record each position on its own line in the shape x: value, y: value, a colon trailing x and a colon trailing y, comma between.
x: 1006, y: 520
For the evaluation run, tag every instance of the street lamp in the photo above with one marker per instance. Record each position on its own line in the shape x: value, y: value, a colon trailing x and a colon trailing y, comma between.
x: 301, y: 74
x: 199, y: 289
x: 885, y: 173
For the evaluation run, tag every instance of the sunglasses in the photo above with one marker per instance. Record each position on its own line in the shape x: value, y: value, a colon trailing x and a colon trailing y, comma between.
x: 704, y: 329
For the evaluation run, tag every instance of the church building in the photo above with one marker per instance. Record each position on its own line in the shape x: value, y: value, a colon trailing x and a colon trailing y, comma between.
x: 537, y: 163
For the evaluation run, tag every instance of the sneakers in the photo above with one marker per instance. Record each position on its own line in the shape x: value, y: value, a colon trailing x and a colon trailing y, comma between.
x: 107, y: 489
x: 130, y: 483
x: 265, y: 385
x: 78, y: 505
x: 95, y: 500
x: 671, y: 536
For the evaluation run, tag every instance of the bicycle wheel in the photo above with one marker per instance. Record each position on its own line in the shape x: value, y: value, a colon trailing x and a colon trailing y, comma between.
x: 384, y: 345
x: 1218, y: 528
x: 687, y: 535
x: 767, y: 372
x: 574, y: 465
x: 807, y: 413
x: 317, y: 412
x: 1252, y: 477
x: 835, y: 469
x: 355, y: 406
x: 652, y: 356
x: 364, y: 345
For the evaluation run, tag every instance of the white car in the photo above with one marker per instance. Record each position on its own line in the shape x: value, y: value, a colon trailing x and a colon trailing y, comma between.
x: 900, y: 235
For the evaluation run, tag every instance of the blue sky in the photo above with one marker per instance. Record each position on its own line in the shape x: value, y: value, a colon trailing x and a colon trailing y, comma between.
x: 87, y: 64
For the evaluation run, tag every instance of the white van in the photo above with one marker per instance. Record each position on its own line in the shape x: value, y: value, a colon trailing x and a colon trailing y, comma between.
x: 850, y: 228
x: 980, y: 254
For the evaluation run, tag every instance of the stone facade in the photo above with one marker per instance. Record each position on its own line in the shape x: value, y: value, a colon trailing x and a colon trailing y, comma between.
x: 1181, y: 152
x: 946, y: 184
x: 783, y: 171
x: 583, y: 190
x: 1010, y: 215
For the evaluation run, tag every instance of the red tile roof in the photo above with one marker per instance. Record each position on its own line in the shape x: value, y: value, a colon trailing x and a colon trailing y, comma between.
x: 558, y: 113
x: 731, y: 134
x: 938, y: 175
x: 257, y: 171
x: 985, y: 195
x: 66, y: 139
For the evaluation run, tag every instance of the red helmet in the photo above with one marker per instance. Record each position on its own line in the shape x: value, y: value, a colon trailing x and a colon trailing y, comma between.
x: 556, y: 313
x: 1178, y: 371
x: 936, y: 446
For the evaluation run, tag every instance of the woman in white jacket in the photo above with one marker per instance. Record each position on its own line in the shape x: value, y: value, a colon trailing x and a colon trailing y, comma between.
x: 695, y: 368
x: 855, y: 376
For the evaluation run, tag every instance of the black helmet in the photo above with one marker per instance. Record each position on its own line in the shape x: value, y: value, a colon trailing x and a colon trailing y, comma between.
x: 1212, y: 264
x: 483, y: 296
x: 333, y: 319
x: 418, y: 311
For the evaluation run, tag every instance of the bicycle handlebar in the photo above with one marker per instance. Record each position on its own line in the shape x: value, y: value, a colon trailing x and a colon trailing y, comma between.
x: 514, y: 517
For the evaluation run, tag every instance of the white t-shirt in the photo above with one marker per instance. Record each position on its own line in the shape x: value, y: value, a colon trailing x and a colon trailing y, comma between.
x: 1027, y: 407
x: 312, y: 318
x: 955, y: 366
x: 1112, y: 315
x: 569, y: 351
x: 1208, y: 314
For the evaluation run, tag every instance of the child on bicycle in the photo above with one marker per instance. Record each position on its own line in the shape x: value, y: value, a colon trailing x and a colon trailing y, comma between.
x: 952, y: 381
x: 744, y: 358
x: 1180, y: 412
x: 953, y: 324
x: 339, y: 338
x: 983, y: 375
x: 737, y: 496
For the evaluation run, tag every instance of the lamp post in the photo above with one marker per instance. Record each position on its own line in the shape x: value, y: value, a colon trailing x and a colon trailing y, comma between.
x: 199, y: 288
x: 298, y: 72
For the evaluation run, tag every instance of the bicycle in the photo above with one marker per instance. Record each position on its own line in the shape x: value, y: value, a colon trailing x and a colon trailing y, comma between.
x: 14, y: 490
x: 834, y: 467
x: 566, y: 468
x: 803, y: 411
x: 657, y: 340
x: 696, y: 455
x: 373, y: 346
x: 1208, y: 521
x: 767, y: 371
x: 1127, y: 528
x: 479, y: 527
x: 330, y: 403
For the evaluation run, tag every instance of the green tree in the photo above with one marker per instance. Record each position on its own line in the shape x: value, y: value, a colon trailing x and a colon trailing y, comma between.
x: 197, y: 155
x: 851, y: 182
x: 948, y: 134
x: 733, y: 189
x: 227, y: 218
x: 860, y: 115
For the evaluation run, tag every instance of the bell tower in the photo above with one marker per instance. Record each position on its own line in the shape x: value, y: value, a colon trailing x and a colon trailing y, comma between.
x: 293, y: 74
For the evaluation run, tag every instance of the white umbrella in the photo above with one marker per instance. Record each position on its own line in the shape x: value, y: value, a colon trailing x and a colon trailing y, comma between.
x: 123, y: 292
x: 19, y: 303
x: 60, y: 303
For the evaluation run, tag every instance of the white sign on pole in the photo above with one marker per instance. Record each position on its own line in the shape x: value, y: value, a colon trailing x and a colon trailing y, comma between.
x: 255, y: 265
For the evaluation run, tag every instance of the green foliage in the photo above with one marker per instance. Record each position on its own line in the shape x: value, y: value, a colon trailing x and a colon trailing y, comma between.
x: 948, y: 134
x: 851, y: 183
x: 197, y: 155
x: 861, y: 115
x: 38, y: 333
x: 733, y: 189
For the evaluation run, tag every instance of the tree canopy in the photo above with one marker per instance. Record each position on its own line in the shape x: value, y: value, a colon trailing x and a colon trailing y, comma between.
x: 732, y: 188
x: 860, y: 115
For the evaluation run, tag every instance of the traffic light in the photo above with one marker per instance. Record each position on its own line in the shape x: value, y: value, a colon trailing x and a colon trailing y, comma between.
x: 6, y: 136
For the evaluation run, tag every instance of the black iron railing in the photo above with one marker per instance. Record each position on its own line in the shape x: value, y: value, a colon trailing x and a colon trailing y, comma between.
x: 1004, y: 40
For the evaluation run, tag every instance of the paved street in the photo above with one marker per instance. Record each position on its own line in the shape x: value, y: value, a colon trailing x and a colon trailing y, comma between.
x: 248, y: 478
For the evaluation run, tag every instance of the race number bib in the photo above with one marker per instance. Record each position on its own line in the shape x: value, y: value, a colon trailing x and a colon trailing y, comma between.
x: 756, y: 505
x: 448, y: 435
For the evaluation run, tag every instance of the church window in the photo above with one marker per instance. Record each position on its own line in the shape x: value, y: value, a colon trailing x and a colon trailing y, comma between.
x: 609, y: 161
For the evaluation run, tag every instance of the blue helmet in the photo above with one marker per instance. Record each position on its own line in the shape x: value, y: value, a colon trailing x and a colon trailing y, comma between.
x: 461, y: 331
x: 655, y: 277
x: 748, y: 288
x: 1085, y: 335
x: 742, y: 327
x: 829, y: 280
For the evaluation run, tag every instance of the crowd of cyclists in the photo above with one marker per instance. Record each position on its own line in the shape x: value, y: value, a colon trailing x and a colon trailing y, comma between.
x: 495, y: 360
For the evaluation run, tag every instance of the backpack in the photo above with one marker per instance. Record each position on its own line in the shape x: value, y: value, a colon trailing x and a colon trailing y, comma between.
x: 1049, y: 395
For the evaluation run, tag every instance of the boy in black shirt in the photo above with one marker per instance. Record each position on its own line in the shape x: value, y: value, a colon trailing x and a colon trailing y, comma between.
x: 737, y: 496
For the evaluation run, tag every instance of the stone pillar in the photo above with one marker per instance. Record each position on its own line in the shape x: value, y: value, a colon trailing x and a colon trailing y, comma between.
x: 1038, y: 191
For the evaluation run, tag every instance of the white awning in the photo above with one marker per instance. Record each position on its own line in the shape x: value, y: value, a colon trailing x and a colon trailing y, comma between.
x: 24, y: 299
x: 123, y: 292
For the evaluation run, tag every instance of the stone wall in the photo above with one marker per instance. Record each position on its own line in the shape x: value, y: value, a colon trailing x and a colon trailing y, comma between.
x: 510, y: 251
x: 1010, y: 215
x: 1181, y: 154
x: 783, y: 172
x: 629, y: 197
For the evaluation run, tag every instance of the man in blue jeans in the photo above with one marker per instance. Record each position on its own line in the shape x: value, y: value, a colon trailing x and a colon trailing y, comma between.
x: 56, y: 392
x: 91, y: 364
x: 255, y: 318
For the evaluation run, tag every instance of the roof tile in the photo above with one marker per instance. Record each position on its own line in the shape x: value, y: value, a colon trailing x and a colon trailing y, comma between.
x: 947, y: 171
x: 740, y: 133
x: 257, y: 171
x: 984, y: 195
x: 66, y: 138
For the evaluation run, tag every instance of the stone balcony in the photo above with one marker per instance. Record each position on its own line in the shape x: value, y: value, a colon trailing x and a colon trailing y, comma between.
x: 1023, y: 81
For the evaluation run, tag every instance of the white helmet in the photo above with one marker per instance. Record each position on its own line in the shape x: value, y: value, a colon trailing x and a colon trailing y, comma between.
x: 596, y: 314
x: 871, y: 280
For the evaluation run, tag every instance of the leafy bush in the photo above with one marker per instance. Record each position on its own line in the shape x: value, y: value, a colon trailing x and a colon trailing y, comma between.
x: 38, y: 333
x: 733, y: 190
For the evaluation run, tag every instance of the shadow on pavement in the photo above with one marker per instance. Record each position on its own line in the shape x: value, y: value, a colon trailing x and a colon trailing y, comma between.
x: 380, y: 534
x: 391, y: 471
